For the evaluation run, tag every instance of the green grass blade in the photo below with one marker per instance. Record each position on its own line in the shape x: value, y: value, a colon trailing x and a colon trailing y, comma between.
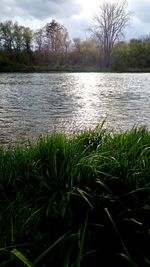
x: 128, y: 259
x: 42, y: 255
x: 81, y: 244
x: 116, y: 230
x: 83, y: 194
x: 21, y: 257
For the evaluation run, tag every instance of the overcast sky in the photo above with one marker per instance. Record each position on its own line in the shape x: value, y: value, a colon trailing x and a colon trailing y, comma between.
x: 75, y: 15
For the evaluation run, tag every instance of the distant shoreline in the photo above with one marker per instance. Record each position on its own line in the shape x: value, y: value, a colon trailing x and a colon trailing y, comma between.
x: 63, y: 69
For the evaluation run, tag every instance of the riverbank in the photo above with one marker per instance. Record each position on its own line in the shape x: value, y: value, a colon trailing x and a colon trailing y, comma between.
x: 23, y: 68
x: 49, y: 69
x: 76, y: 201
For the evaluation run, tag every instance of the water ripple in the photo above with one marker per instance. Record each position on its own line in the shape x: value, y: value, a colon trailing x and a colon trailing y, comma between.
x: 33, y: 104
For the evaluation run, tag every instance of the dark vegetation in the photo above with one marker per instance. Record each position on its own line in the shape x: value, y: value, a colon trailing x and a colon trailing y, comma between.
x: 76, y: 201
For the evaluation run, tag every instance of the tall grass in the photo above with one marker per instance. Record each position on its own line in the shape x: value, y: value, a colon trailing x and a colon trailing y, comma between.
x: 76, y: 201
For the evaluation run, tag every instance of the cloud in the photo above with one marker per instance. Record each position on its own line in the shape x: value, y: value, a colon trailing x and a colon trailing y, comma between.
x: 36, y: 13
x: 75, y: 15
x: 77, y: 26
x: 141, y: 9
x: 140, y: 21
x: 38, y: 9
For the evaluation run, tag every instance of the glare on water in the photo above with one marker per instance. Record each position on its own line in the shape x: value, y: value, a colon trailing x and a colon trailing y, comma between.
x: 35, y: 104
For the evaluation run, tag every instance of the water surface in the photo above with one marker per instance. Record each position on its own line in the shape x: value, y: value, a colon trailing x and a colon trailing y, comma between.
x: 35, y: 104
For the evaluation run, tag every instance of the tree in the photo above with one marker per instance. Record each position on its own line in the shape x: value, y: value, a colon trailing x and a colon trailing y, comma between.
x: 147, y: 53
x: 137, y: 54
x: 109, y: 25
x: 91, y: 53
x: 27, y: 39
x: 17, y: 37
x: 76, y: 55
x: 6, y: 35
x: 85, y: 53
x: 57, y: 40
x: 120, y: 57
x: 39, y: 37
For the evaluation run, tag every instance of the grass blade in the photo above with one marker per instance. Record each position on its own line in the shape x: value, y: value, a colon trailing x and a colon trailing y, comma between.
x: 117, y: 232
x: 41, y: 256
x: 21, y: 257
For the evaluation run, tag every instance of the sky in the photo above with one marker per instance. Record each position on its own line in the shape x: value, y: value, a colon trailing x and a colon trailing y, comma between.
x: 75, y: 15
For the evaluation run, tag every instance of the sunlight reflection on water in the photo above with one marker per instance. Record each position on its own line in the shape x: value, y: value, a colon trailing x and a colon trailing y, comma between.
x: 34, y: 104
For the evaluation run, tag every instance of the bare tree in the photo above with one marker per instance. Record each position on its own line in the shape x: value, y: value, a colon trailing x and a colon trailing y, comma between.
x: 56, y: 42
x: 109, y: 25
x: 57, y: 37
x: 39, y: 39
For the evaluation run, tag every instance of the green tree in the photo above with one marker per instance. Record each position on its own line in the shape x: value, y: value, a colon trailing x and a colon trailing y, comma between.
x: 119, y: 59
x: 27, y: 39
x: 76, y: 51
x: 147, y: 54
x: 18, y: 36
x: 91, y: 53
x: 6, y: 34
x: 137, y: 54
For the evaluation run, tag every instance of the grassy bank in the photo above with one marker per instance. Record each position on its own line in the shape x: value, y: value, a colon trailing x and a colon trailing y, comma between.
x: 21, y: 68
x: 32, y: 68
x: 76, y: 201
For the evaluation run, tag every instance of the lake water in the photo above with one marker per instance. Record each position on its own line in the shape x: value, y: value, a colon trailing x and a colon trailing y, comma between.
x: 35, y: 104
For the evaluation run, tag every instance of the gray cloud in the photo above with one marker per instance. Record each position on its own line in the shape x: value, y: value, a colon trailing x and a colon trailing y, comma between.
x: 140, y: 21
x: 77, y: 26
x: 38, y: 9
x: 36, y: 13
x: 141, y: 9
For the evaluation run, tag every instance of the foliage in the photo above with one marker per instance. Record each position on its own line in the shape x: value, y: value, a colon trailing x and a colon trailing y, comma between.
x: 119, y: 59
x: 49, y: 48
x: 133, y: 55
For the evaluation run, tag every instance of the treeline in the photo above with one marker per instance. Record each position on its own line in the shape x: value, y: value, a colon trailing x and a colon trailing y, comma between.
x: 50, y: 46
x: 130, y: 56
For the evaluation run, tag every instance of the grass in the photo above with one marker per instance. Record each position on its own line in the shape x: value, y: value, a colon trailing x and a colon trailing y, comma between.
x: 35, y: 68
x: 22, y: 68
x: 76, y: 201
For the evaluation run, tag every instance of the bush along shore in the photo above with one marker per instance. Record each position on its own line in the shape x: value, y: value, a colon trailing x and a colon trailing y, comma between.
x: 78, y: 201
x: 22, y: 68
